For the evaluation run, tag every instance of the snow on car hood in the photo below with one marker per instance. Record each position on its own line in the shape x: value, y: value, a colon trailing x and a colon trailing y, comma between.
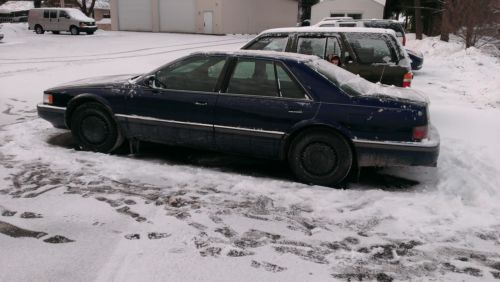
x: 355, y: 85
x: 79, y: 16
x: 110, y: 79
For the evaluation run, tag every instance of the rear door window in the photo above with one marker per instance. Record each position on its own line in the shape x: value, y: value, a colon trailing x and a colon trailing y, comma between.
x: 312, y: 46
x: 270, y: 43
x: 288, y: 87
x: 333, y: 47
x: 253, y: 77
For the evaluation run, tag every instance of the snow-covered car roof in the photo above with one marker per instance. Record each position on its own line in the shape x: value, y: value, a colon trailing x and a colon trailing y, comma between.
x: 263, y: 54
x: 313, y: 29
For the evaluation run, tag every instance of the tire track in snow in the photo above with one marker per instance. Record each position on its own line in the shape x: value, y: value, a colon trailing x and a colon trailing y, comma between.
x: 121, y: 57
x: 116, y: 53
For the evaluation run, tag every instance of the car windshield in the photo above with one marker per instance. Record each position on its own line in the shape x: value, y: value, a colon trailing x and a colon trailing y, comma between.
x: 354, y: 85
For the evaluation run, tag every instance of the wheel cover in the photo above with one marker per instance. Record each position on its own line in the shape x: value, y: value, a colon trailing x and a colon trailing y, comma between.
x: 94, y: 130
x: 319, y: 159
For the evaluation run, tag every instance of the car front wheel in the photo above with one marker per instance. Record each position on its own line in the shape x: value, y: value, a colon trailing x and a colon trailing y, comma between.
x: 74, y: 30
x: 320, y: 157
x: 94, y: 129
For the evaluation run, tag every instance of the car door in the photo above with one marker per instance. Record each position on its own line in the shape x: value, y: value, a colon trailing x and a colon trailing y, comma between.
x: 63, y: 21
x: 175, y: 105
x: 261, y: 101
x: 52, y: 25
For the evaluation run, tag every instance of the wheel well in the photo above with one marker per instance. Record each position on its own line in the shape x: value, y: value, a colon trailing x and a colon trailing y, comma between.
x: 74, y: 104
x: 289, y: 140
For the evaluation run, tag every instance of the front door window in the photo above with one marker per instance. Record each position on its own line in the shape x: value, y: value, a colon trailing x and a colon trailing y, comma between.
x: 194, y: 74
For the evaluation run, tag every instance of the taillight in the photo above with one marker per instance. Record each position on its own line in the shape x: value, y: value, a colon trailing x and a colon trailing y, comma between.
x: 48, y: 99
x: 420, y: 132
x: 407, y: 78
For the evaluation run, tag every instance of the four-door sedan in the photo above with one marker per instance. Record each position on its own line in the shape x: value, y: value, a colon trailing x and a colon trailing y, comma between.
x: 321, y: 119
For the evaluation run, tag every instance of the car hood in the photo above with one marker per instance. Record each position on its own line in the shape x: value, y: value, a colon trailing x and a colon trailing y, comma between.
x: 98, y: 82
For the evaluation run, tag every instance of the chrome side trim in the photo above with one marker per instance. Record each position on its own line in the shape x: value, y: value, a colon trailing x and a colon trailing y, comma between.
x: 203, y: 125
x: 250, y: 130
x: 163, y: 120
x: 49, y: 107
x: 427, y: 144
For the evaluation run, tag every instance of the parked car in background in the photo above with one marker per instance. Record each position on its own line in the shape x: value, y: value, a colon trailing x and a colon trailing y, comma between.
x: 60, y: 19
x: 324, y: 121
x: 371, y: 23
x: 1, y: 35
x: 374, y: 54
x: 417, y: 59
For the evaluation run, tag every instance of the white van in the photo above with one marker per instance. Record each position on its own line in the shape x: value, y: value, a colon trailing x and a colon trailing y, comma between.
x: 60, y: 19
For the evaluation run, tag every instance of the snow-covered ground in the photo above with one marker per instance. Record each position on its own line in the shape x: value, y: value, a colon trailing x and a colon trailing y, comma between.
x: 173, y: 214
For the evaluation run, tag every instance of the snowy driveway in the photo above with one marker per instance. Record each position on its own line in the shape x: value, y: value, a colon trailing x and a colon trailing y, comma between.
x: 174, y: 214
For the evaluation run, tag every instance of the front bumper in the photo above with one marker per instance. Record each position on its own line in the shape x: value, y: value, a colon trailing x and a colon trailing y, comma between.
x: 88, y: 28
x: 385, y: 153
x: 52, y: 114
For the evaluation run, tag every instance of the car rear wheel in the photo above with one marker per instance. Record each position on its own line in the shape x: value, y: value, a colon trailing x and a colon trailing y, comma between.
x: 74, y: 30
x: 94, y: 129
x: 39, y: 29
x: 320, y: 157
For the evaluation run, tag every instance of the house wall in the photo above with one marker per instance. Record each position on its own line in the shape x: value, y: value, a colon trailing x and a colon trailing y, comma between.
x: 229, y: 16
x: 251, y: 17
x: 369, y: 9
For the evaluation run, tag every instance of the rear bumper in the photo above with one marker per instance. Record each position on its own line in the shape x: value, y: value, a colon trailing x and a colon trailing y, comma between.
x: 383, y: 154
x: 52, y: 114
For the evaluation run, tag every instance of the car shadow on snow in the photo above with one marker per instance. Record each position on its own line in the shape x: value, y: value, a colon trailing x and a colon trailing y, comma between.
x: 370, y: 178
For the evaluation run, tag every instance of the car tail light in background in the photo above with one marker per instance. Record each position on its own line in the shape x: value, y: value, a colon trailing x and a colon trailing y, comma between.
x: 420, y: 132
x: 407, y: 78
x: 48, y: 99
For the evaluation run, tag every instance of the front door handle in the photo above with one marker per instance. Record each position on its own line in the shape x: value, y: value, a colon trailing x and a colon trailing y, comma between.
x: 200, y: 103
x: 295, y: 111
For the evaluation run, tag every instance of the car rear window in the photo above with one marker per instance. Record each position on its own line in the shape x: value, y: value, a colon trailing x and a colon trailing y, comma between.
x: 371, y: 48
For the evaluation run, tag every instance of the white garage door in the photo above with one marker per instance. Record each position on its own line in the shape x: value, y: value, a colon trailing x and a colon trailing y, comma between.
x: 177, y: 16
x: 135, y: 15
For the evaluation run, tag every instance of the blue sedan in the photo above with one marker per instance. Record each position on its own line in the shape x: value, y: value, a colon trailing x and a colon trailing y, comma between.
x: 324, y: 121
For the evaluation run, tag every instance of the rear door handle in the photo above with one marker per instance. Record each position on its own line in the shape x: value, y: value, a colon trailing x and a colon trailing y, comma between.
x: 199, y: 103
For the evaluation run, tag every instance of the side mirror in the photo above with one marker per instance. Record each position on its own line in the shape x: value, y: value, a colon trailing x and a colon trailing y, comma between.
x: 150, y: 81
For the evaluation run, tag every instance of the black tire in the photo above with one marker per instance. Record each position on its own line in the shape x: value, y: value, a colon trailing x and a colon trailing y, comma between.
x: 74, y: 30
x: 94, y: 129
x: 320, y: 157
x: 55, y: 32
x: 90, y: 32
x: 39, y: 29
